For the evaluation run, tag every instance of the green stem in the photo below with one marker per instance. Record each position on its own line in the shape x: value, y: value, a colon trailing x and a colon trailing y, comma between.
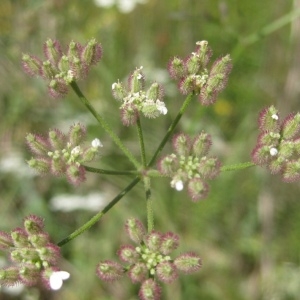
x: 141, y: 140
x: 239, y: 166
x: 149, y: 202
x: 109, y: 172
x: 104, y: 124
x: 99, y: 215
x: 171, y: 128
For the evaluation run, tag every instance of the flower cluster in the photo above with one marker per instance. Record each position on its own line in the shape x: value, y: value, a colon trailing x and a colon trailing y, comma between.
x: 192, y: 74
x: 149, y: 261
x: 136, y: 100
x: 62, y: 154
x: 60, y: 69
x: 33, y: 256
x: 190, y: 164
x: 278, y: 144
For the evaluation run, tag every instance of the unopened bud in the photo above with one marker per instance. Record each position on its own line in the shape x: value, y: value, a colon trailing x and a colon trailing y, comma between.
x: 91, y: 53
x: 135, y: 230
x: 138, y: 272
x: 52, y: 51
x: 31, y: 65
x: 176, y: 68
x: 150, y: 290
x: 201, y: 144
x: 188, y: 262
x: 109, y: 270
x: 136, y: 80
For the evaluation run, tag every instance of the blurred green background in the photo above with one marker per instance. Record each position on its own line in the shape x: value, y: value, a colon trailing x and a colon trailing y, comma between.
x: 248, y: 230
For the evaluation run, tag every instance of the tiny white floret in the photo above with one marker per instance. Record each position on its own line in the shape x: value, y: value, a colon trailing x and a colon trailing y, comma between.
x: 161, y: 107
x: 96, y: 143
x: 76, y: 150
x: 275, y: 116
x: 114, y: 85
x: 57, y: 278
x: 273, y: 151
x: 177, y: 184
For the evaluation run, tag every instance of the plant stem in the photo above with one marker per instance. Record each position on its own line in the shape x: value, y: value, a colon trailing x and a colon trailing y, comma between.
x: 239, y: 166
x: 104, y: 124
x: 141, y: 140
x: 110, y: 172
x: 171, y: 128
x: 149, y: 203
x: 99, y: 215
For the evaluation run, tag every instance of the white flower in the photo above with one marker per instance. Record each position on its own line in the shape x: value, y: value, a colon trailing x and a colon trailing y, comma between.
x: 275, y: 116
x: 177, y: 184
x: 114, y: 85
x: 57, y: 278
x: 273, y: 151
x: 76, y: 150
x: 161, y: 107
x: 96, y: 143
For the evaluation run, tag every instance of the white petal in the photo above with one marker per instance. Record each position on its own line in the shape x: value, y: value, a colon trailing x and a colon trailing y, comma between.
x: 96, y: 143
x: 56, y: 279
x: 273, y: 151
x: 275, y: 117
x: 179, y: 185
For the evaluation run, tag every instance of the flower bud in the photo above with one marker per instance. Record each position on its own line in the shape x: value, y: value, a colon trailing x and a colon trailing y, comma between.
x: 138, y: 272
x: 39, y: 239
x: 48, y: 71
x: 91, y: 53
x: 155, y: 92
x: 188, y: 262
x: 136, y: 80
x: 269, y: 119
x: 150, y: 290
x: 57, y: 139
x: 33, y: 224
x: 166, y: 272
x: 176, y: 68
x: 31, y: 65
x: 153, y: 240
x: 204, y: 53
x: 135, y: 230
x: 77, y: 134
x: 292, y: 171
x: 197, y: 189
x: 201, y: 144
x: 168, y: 165
x: 187, y: 84
x: 127, y: 253
x: 129, y: 115
x: 49, y: 253
x: 261, y: 154
x: 20, y: 238
x: 182, y: 144
x: 291, y: 126
x: 29, y: 275
x: 74, y: 50
x: 118, y: 91
x: 193, y: 64
x: 64, y: 64
x: 37, y: 144
x: 9, y: 276
x: 57, y: 88
x: 52, y: 51
x: 109, y: 270
x: 209, y: 167
x: 170, y: 242
x: 268, y: 138
x: 75, y: 174
x: 41, y: 165
x: 6, y: 241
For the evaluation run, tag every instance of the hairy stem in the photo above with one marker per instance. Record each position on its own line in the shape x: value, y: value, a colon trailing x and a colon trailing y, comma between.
x: 109, y: 172
x: 141, y: 140
x: 239, y: 166
x: 104, y: 124
x: 99, y: 215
